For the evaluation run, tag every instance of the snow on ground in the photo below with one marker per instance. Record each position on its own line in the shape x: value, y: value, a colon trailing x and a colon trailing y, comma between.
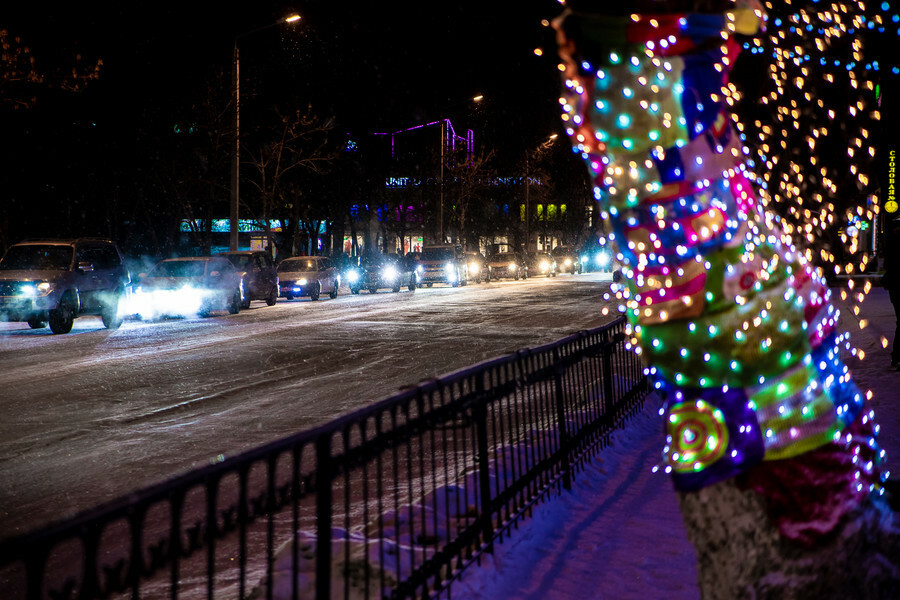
x: 618, y: 534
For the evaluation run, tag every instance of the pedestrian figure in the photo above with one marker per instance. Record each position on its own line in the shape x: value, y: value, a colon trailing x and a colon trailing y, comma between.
x: 891, y: 281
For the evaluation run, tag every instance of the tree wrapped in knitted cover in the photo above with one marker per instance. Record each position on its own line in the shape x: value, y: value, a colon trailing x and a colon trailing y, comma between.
x: 735, y: 326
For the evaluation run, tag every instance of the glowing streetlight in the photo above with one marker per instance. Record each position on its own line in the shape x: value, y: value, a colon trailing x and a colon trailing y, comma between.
x: 236, y: 163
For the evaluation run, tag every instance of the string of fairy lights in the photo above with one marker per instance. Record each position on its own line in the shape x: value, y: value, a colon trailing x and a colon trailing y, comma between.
x: 813, y: 135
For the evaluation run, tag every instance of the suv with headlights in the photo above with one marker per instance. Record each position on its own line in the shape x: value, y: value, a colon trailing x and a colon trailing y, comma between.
x: 444, y: 263
x: 55, y: 281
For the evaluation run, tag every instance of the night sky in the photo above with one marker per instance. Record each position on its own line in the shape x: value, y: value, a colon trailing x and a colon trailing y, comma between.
x: 375, y: 65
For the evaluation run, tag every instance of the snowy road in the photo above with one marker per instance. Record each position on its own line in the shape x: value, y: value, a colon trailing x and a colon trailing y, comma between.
x: 93, y: 414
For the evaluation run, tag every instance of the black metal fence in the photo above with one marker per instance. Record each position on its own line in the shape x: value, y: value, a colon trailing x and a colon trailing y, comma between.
x: 407, y: 492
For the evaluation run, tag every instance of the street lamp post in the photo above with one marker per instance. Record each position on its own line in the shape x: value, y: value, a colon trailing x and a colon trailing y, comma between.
x: 236, y: 162
x: 544, y: 145
x: 477, y: 98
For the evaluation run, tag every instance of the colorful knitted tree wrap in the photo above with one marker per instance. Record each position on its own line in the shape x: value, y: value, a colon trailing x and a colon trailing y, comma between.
x: 735, y: 327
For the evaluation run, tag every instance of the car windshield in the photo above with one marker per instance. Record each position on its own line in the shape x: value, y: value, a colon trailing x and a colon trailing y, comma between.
x: 179, y: 268
x: 239, y: 260
x: 298, y: 265
x: 372, y: 260
x: 437, y: 254
x: 37, y: 258
x: 505, y: 257
x: 560, y: 250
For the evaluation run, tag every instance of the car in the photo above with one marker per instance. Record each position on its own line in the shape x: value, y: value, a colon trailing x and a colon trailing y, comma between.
x: 507, y: 265
x: 180, y: 287
x: 308, y: 276
x: 443, y: 263
x: 567, y: 259
x: 377, y: 271
x: 259, y: 278
x: 597, y: 257
x: 540, y: 264
x: 476, y: 266
x: 56, y: 281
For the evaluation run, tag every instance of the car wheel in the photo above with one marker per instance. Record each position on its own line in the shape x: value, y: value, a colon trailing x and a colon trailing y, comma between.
x: 63, y: 317
x: 234, y: 307
x: 109, y: 314
x: 314, y: 293
x: 354, y: 290
x: 516, y: 276
x: 372, y: 289
x: 36, y: 323
x: 288, y: 296
x: 412, y: 283
x: 334, y: 292
x: 272, y: 298
x: 396, y: 287
x: 429, y: 284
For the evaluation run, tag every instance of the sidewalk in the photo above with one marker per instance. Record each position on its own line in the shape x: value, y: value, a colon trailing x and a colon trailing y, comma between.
x: 618, y: 534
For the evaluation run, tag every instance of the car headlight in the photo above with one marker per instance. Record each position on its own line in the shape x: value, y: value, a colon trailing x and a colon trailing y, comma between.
x: 450, y: 268
x: 352, y: 276
x: 420, y: 269
x: 545, y: 266
x: 390, y: 273
x: 302, y: 281
x: 568, y: 262
x: 473, y: 266
x: 602, y: 259
x: 31, y: 290
x: 512, y: 266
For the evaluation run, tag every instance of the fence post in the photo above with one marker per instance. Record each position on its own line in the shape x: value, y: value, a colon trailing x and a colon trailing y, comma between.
x: 323, y: 517
x: 606, y: 352
x: 480, y: 416
x: 565, y: 462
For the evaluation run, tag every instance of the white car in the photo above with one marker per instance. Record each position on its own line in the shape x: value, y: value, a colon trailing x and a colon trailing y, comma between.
x: 308, y: 276
x: 188, y: 286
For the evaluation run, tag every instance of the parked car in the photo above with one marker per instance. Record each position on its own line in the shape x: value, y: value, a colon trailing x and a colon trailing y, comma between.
x: 55, y: 281
x: 507, y: 265
x: 443, y: 263
x: 308, y: 276
x: 540, y: 264
x: 259, y: 278
x: 378, y: 271
x: 476, y: 266
x: 178, y: 287
x: 567, y: 259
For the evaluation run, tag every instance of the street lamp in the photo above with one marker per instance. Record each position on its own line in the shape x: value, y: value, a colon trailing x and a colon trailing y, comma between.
x: 444, y: 121
x: 236, y: 162
x: 543, y: 146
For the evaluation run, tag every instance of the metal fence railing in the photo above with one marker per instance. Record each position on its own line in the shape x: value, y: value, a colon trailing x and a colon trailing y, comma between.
x: 407, y: 492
